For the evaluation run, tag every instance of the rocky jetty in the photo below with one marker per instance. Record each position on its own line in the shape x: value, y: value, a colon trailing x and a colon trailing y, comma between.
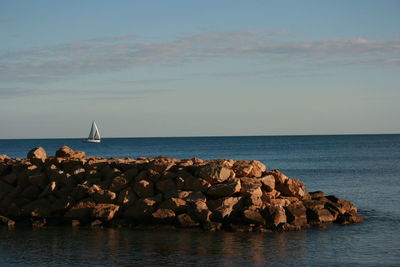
x: 72, y: 189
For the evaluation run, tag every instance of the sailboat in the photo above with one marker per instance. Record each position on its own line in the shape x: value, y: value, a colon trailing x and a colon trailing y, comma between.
x: 94, y: 135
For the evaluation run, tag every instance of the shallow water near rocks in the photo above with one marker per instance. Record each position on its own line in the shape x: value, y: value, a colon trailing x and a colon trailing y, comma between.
x: 364, y: 169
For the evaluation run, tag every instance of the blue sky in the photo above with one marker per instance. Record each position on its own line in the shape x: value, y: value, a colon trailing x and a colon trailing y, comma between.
x: 193, y: 68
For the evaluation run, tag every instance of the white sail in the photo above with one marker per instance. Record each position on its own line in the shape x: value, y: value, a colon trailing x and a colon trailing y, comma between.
x: 94, y: 135
x: 96, y: 132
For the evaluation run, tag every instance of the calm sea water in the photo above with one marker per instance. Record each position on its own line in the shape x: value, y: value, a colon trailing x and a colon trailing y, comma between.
x: 362, y: 168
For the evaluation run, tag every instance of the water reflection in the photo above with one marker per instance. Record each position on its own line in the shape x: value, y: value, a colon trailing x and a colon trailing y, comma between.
x: 171, y: 247
x: 167, y: 247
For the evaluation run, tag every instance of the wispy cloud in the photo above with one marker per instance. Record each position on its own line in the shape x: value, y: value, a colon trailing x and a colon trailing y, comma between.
x: 118, y: 53
x: 13, y: 92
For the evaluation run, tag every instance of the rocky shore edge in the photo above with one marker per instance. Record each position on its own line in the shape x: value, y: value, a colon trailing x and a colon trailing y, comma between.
x: 72, y: 189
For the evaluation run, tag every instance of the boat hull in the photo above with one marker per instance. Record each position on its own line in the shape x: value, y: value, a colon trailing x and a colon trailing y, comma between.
x: 92, y: 141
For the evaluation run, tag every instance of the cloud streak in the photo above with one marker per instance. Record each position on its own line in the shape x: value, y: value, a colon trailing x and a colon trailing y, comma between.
x: 14, y: 92
x: 111, y: 54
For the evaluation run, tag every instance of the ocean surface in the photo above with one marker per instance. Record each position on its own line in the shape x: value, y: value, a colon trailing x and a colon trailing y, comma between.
x: 362, y: 168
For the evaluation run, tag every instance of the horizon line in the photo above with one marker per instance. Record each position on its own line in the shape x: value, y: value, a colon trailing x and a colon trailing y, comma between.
x: 201, y: 136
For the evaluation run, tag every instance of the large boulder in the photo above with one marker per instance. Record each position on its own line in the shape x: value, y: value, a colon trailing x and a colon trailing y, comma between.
x: 199, y: 210
x: 274, y: 215
x: 223, y: 207
x: 296, y: 214
x: 214, y: 173
x: 252, y: 168
x: 141, y: 209
x: 67, y: 152
x: 225, y: 189
x: 38, y: 154
x: 253, y: 217
x: 143, y: 188
x: 166, y: 185
x: 293, y: 188
x: 268, y: 182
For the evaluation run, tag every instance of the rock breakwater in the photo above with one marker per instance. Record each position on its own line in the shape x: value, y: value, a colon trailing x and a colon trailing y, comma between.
x: 72, y: 189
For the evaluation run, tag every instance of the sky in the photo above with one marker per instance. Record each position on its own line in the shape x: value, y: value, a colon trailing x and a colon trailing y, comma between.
x: 198, y: 68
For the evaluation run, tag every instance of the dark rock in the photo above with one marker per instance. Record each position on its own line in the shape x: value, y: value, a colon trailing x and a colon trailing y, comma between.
x: 253, y: 217
x: 143, y: 188
x: 317, y: 194
x: 6, y: 221
x: 186, y: 221
x: 105, y: 212
x: 296, y: 214
x: 163, y: 216
x: 177, y: 205
x: 349, y: 218
x: 320, y: 215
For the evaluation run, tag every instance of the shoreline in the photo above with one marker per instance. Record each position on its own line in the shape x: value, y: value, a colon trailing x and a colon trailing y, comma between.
x: 72, y: 189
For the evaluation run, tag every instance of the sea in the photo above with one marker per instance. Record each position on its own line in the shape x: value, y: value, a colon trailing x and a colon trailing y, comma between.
x: 364, y: 169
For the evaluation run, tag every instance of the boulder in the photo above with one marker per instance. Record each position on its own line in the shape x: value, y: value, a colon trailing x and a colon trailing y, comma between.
x: 126, y: 197
x: 61, y: 205
x: 37, y: 208
x: 253, y: 217
x: 349, y: 218
x: 250, y: 187
x: 105, y: 212
x: 160, y: 165
x: 40, y: 180
x: 10, y: 178
x: 166, y: 185
x: 143, y: 188
x: 199, y: 210
x: 224, y: 207
x: 118, y: 183
x: 316, y: 194
x: 141, y: 209
x: 103, y: 196
x: 195, y: 184
x: 225, y: 189
x: 268, y: 182
x: 274, y: 215
x: 195, y: 196
x: 186, y: 221
x: 67, y: 152
x: 177, y: 205
x: 296, y: 214
x: 293, y: 188
x: 37, y: 154
x: 214, y: 173
x: 320, y: 215
x: 82, y: 211
x: 163, y: 216
x: 31, y: 192
x: 252, y: 168
x: 280, y: 178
